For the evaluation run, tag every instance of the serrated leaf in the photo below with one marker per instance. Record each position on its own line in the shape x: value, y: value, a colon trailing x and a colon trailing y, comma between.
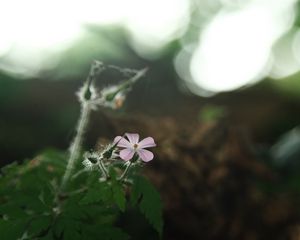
x: 67, y: 228
x: 150, y: 202
x: 38, y: 225
x: 19, y: 204
x: 35, y: 204
x: 12, y: 229
x: 97, y: 193
x: 71, y: 234
x: 12, y: 210
x: 74, y: 209
x: 46, y: 196
x: 119, y: 195
x: 54, y: 157
x: 136, y: 194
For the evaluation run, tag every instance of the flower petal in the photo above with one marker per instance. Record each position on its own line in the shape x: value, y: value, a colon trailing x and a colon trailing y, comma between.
x: 147, y: 142
x: 122, y: 142
x: 126, y: 154
x: 133, y: 137
x: 145, y: 155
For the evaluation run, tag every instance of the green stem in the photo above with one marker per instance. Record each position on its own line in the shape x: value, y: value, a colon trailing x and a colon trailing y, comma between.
x: 126, y: 84
x: 77, y: 142
x: 125, y: 171
x: 86, y: 108
x: 78, y: 174
x: 103, y: 169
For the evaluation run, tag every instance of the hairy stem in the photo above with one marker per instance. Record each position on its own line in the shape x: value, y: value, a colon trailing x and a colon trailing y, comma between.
x: 86, y: 108
x: 103, y: 169
x: 78, y: 174
x: 125, y: 171
x: 77, y: 142
x: 87, y: 101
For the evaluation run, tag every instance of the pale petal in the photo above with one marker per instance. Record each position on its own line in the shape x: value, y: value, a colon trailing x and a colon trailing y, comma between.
x: 126, y: 154
x: 147, y: 142
x: 122, y: 142
x: 133, y: 137
x: 145, y: 155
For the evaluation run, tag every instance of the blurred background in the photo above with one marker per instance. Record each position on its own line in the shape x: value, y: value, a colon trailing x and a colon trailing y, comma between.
x: 213, y: 64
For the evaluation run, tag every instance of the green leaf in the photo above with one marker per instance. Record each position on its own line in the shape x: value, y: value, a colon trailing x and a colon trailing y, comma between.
x: 19, y: 204
x: 46, y: 196
x: 75, y: 210
x: 47, y: 237
x: 104, y: 232
x: 12, y: 210
x: 10, y: 168
x: 71, y: 234
x: 12, y: 229
x: 55, y: 157
x: 97, y: 193
x: 67, y: 228
x: 119, y: 195
x: 150, y: 202
x: 38, y: 225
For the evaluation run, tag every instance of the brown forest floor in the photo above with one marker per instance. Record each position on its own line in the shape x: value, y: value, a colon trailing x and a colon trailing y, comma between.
x: 208, y: 176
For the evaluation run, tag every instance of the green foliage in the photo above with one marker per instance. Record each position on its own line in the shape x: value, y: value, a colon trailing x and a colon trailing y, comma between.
x: 111, y: 233
x: 148, y: 199
x: 97, y: 193
x: 119, y: 195
x: 67, y: 228
x: 31, y: 208
x: 38, y: 225
x: 210, y: 113
x: 12, y: 229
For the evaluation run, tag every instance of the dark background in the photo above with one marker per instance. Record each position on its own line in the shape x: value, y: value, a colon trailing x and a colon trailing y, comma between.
x: 222, y: 164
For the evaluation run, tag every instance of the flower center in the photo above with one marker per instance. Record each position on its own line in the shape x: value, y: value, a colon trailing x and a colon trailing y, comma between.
x: 135, y: 146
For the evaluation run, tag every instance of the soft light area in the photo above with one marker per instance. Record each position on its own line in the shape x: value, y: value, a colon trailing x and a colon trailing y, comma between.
x: 235, y: 48
x: 35, y: 33
x: 286, y: 61
x: 153, y: 24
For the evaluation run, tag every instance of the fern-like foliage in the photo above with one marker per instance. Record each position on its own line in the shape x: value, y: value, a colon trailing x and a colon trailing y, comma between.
x: 148, y: 199
x: 31, y: 209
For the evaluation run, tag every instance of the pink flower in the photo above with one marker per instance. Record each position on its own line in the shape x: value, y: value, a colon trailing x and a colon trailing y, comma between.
x: 134, y: 146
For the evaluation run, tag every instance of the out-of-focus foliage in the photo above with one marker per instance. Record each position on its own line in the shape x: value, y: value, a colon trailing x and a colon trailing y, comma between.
x: 211, y: 113
x: 30, y: 207
x: 286, y: 151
